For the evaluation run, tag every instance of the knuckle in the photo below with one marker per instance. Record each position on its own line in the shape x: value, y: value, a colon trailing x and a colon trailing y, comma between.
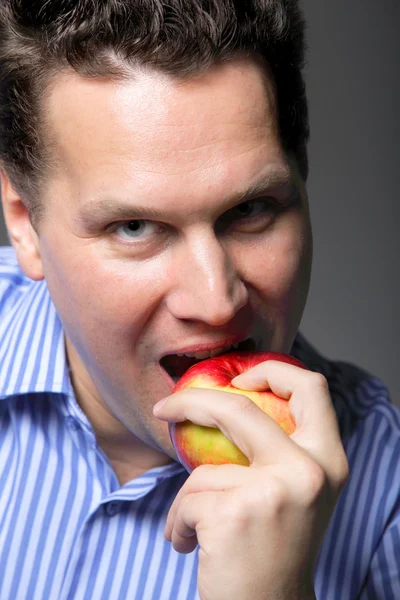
x: 199, y: 477
x: 268, y: 498
x: 317, y: 380
x: 242, y: 501
x: 341, y: 472
x: 275, y: 496
x: 236, y: 513
x: 243, y: 403
x: 186, y: 501
x: 314, y: 481
x: 256, y: 503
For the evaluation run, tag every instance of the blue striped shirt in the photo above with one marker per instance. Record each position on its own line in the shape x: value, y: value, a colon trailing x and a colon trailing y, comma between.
x: 68, y: 530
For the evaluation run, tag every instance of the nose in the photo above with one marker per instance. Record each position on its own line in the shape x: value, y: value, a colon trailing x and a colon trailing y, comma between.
x: 206, y: 283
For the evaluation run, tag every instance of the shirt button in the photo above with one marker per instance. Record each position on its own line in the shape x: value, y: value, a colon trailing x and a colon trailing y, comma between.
x: 112, y: 508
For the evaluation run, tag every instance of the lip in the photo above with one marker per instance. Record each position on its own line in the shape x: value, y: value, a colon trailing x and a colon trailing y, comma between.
x: 207, y: 346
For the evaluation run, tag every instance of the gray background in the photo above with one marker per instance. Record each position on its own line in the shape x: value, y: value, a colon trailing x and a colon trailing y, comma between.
x: 354, y: 95
x: 352, y: 77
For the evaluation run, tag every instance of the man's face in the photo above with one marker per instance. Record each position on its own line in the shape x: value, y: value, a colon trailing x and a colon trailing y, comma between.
x: 152, y: 243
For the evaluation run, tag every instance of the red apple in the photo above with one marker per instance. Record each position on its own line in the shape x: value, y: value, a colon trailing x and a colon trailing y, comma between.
x: 197, y: 445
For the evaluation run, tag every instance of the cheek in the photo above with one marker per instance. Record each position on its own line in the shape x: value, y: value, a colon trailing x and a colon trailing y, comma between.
x: 283, y: 264
x: 96, y: 293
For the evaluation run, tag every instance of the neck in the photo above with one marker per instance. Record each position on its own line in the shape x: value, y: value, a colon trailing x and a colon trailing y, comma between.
x: 127, y: 459
x: 129, y: 456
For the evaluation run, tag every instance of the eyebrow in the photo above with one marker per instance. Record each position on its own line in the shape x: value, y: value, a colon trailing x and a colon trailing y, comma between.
x: 103, y: 208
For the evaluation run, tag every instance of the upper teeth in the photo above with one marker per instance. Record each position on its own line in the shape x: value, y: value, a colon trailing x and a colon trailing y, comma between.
x: 210, y: 354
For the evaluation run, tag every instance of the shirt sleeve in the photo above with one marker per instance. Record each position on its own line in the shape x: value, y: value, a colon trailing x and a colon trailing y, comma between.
x: 383, y: 578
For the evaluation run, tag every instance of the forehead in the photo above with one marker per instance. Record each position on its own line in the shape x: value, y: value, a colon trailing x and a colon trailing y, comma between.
x: 155, y: 130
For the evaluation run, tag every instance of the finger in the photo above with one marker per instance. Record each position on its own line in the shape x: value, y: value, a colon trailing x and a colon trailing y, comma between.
x: 307, y: 392
x: 213, y: 478
x: 310, y: 404
x: 256, y: 434
x: 193, y: 515
x: 275, y: 375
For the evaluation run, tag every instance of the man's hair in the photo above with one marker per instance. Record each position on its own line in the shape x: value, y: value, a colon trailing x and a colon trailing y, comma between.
x: 106, y: 38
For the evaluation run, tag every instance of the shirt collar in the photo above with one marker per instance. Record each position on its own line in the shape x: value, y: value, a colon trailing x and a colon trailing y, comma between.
x: 33, y: 358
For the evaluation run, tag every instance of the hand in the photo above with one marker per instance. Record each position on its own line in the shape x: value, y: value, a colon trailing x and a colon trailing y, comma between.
x: 260, y: 528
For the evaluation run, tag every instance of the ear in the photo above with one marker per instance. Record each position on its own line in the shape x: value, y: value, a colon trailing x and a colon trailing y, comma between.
x: 22, y: 235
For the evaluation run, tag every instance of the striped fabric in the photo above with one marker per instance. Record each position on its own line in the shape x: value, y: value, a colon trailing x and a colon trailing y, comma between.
x: 68, y: 531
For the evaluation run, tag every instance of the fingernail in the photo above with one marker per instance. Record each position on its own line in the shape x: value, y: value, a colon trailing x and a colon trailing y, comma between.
x: 157, y: 407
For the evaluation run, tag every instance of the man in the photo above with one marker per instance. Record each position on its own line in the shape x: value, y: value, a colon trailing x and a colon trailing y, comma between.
x: 153, y: 184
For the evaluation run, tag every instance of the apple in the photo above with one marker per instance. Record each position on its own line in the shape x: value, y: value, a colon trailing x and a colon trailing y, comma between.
x: 196, y: 444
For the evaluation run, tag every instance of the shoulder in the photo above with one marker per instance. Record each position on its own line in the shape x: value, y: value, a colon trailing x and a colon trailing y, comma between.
x: 8, y: 259
x: 356, y: 542
x: 12, y: 280
x: 369, y: 425
x: 9, y: 267
x: 360, y: 398
x: 364, y: 395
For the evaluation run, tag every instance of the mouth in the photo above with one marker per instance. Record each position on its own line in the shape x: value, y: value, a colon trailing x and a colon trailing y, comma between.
x: 176, y: 365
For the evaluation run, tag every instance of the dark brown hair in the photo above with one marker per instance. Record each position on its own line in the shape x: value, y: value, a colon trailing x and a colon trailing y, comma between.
x: 103, y: 38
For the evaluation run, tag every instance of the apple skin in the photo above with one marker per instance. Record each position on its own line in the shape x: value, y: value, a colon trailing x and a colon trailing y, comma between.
x: 197, y: 445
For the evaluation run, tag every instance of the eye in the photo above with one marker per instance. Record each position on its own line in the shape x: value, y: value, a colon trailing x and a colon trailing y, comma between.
x: 253, y: 215
x: 137, y: 229
x: 250, y: 209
